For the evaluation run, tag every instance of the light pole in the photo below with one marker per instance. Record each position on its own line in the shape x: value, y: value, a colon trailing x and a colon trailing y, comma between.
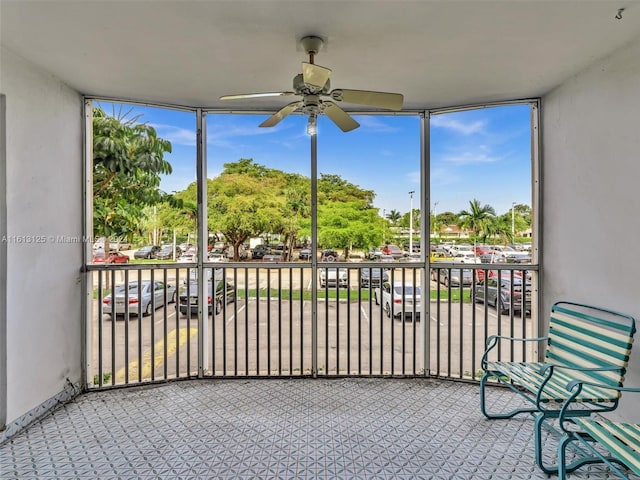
x: 435, y: 205
x: 513, y: 221
x: 411, y: 221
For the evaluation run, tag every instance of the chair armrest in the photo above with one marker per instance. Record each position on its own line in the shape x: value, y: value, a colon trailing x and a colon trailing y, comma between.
x: 576, y: 386
x: 492, y: 341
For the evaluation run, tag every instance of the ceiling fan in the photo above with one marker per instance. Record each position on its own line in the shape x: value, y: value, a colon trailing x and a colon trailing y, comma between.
x: 312, y: 85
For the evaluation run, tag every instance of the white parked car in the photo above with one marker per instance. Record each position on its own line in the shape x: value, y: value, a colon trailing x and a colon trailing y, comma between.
x: 399, y: 298
x: 332, y: 277
x: 466, y: 256
x: 187, y: 258
x: 217, y: 257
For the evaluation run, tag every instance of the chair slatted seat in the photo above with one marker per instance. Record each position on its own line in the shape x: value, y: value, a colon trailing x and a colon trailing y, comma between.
x: 584, y: 343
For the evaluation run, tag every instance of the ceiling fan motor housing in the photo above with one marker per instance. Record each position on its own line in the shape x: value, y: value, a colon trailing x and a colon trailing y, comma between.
x: 302, y: 88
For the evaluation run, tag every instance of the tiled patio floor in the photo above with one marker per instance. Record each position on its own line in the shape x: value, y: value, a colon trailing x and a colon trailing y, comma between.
x: 289, y: 429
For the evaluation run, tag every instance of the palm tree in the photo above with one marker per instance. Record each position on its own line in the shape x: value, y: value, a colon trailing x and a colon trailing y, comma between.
x: 478, y: 218
x: 394, y: 216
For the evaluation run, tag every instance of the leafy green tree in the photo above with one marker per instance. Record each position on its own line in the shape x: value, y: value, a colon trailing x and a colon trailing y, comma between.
x: 128, y: 159
x: 404, y: 221
x: 344, y: 225
x: 478, y: 218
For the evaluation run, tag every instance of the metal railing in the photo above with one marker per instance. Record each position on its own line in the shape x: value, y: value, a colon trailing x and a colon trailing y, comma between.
x: 147, y: 323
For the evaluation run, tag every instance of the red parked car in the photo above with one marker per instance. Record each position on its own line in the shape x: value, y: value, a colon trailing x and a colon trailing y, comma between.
x: 114, y: 257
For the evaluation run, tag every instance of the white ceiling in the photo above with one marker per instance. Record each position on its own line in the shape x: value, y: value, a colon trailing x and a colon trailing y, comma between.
x: 435, y: 52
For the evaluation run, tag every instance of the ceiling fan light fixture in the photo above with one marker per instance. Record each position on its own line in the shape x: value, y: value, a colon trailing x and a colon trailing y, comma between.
x: 312, y: 125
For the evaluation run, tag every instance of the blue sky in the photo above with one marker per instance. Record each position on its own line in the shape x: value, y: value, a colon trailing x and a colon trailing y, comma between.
x: 483, y: 153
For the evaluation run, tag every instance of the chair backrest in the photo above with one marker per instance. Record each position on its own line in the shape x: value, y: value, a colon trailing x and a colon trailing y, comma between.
x: 584, y: 336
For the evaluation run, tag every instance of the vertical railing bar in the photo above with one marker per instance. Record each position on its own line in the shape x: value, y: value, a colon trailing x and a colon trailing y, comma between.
x: 268, y: 321
x: 153, y: 316
x: 326, y: 322
x: 165, y: 328
x: 246, y: 320
x: 257, y: 321
x: 280, y: 321
x: 112, y: 274
x: 223, y: 312
x: 101, y: 326
x: 449, y: 323
x: 337, y: 322
x: 498, y: 311
x: 126, y: 323
x: 415, y: 320
x: 164, y: 322
x: 301, y: 321
x: 382, y: 322
x: 187, y: 316
x: 291, y: 320
x: 140, y: 329
x: 461, y: 324
x: 472, y: 299
x: 349, y: 321
x: 360, y: 322
x: 371, y: 293
x: 235, y: 318
x: 438, y: 324
x: 512, y: 314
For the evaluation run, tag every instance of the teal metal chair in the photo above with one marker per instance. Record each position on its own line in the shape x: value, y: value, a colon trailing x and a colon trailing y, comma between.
x: 585, y: 343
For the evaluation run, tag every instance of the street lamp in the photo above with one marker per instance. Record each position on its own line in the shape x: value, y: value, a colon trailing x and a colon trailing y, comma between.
x: 411, y: 221
x: 435, y: 205
x: 513, y: 220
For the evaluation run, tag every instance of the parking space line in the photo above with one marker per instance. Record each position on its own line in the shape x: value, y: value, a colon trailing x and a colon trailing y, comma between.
x: 174, y: 340
x: 239, y: 310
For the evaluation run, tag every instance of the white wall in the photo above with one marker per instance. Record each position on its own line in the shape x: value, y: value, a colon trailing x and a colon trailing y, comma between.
x: 591, y: 192
x: 44, y: 201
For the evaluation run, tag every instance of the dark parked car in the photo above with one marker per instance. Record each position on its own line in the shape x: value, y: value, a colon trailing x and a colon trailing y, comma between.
x: 148, y: 251
x: 260, y: 251
x: 329, y: 255
x: 225, y: 293
x: 372, y: 277
x: 305, y: 254
x: 166, y: 252
x: 507, y: 302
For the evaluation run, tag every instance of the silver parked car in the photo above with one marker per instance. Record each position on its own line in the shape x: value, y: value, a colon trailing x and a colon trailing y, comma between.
x: 135, y: 298
x: 510, y: 298
x: 456, y: 277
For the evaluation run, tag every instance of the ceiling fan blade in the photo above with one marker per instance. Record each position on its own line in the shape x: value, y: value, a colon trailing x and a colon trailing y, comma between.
x: 274, y: 119
x: 341, y: 118
x: 389, y: 101
x: 315, y: 74
x: 255, y: 95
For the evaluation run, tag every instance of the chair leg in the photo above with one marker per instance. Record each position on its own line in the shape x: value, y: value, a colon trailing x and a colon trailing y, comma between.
x: 562, y: 456
x: 537, y: 438
x: 483, y: 401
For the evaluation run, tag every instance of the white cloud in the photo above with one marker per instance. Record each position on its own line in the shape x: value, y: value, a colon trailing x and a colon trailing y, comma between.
x: 176, y: 135
x: 445, y: 121
x: 374, y: 123
x: 470, y: 157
